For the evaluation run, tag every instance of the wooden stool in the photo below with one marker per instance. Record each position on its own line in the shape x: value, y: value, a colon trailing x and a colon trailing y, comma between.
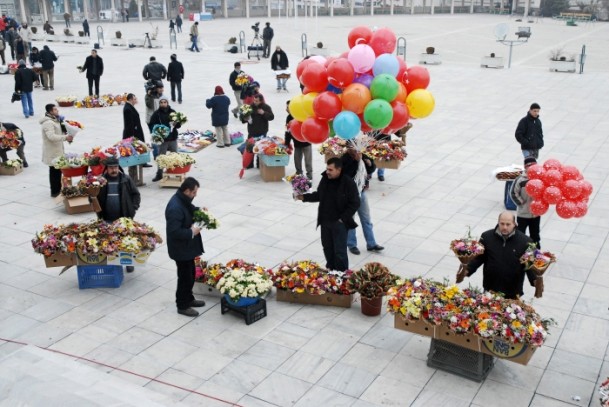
x: 172, y: 180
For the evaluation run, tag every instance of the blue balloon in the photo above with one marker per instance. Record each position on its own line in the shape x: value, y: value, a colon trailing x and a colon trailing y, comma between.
x: 334, y: 89
x: 346, y: 125
x: 386, y: 63
x: 364, y: 79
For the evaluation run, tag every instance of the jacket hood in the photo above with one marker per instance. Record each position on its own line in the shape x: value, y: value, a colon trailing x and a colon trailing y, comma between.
x: 45, y: 119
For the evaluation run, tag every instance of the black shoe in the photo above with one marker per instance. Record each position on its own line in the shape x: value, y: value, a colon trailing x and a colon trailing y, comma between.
x: 354, y: 250
x: 235, y: 114
x: 197, y: 303
x: 376, y: 248
x: 158, y: 176
x: 189, y: 312
x: 147, y: 166
x: 55, y: 195
x: 219, y: 146
x: 25, y: 164
x: 381, y: 178
x: 130, y: 269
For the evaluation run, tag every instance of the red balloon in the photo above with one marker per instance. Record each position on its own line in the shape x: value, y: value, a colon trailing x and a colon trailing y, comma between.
x: 535, y: 188
x: 328, y: 60
x: 539, y: 207
x: 344, y: 55
x: 566, y: 209
x: 581, y: 209
x: 340, y: 73
x: 359, y: 35
x: 401, y: 76
x: 552, y: 164
x: 315, y: 77
x: 569, y: 172
x: 552, y: 195
x: 296, y: 130
x: 305, y: 90
x: 315, y: 130
x: 417, y: 77
x: 400, y: 116
x: 571, y: 189
x: 587, y: 188
x: 326, y: 105
x: 552, y: 177
x: 365, y: 127
x: 302, y: 65
x: 535, y: 171
x: 383, y: 41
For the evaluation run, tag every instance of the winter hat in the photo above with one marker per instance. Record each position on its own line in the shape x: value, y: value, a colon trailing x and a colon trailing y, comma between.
x: 219, y: 90
x: 21, y: 62
x: 535, y: 106
x: 529, y: 161
x: 164, y: 97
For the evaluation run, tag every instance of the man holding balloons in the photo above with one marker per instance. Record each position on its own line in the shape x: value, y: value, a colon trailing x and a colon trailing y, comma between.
x: 523, y: 201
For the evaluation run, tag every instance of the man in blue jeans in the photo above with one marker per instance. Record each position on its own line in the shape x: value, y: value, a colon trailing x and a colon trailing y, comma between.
x: 194, y: 36
x: 24, y: 84
x: 359, y: 167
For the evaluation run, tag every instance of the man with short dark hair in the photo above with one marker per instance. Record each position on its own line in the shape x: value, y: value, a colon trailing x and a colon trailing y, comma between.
x: 24, y: 84
x: 338, y: 199
x: 529, y: 133
x: 503, y: 247
x: 47, y: 59
x: 237, y: 89
x: 175, y: 75
x: 94, y: 66
x: 184, y: 244
x: 154, y: 71
x: 267, y: 37
x: 54, y: 133
x: 132, y: 126
x: 194, y: 36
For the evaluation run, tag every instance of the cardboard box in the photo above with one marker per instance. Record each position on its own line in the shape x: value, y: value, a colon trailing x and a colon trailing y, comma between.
x: 78, y: 204
x: 122, y: 259
x: 206, y: 289
x: 60, y: 260
x: 10, y: 170
x: 334, y: 300
x: 416, y: 327
x: 391, y: 164
x: 271, y: 174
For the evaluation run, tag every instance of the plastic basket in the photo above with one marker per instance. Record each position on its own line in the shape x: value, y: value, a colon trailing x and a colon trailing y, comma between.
x: 251, y: 313
x: 134, y: 160
x: 99, y: 276
x: 458, y: 360
x: 275, y: 160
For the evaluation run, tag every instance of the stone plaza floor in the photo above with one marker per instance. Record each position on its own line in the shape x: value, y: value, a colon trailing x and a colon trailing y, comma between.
x: 302, y: 355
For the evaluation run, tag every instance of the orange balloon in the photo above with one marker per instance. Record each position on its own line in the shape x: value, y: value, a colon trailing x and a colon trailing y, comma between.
x: 355, y: 98
x: 402, y: 93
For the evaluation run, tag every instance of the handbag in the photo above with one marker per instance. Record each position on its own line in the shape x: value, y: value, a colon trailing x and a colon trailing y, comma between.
x: 16, y: 96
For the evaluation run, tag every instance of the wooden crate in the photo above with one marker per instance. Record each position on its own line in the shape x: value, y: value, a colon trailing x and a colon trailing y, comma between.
x: 334, y: 300
x: 172, y: 180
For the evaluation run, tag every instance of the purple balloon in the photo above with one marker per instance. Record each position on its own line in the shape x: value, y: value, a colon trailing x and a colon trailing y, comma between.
x: 364, y: 79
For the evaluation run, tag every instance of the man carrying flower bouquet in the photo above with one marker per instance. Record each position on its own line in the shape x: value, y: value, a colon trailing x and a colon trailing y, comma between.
x: 503, y: 246
x: 163, y: 116
x: 119, y: 197
x: 54, y: 133
x: 237, y: 89
x: 184, y: 244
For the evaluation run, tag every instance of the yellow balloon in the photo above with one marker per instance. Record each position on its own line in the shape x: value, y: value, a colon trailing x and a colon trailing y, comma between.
x: 297, y: 108
x: 420, y: 103
x: 308, y: 103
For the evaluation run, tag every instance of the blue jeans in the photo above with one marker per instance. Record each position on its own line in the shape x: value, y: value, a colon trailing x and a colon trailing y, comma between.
x: 194, y: 43
x: 530, y: 153
x: 364, y: 219
x: 26, y: 104
x: 380, y: 172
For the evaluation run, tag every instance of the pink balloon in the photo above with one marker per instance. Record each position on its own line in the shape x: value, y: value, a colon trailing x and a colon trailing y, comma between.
x: 569, y: 172
x: 383, y: 41
x: 319, y: 59
x: 552, y: 164
x: 587, y: 188
x: 535, y: 188
x: 539, y: 207
x: 552, y: 195
x: 552, y: 177
x: 566, y: 209
x: 571, y: 189
x: 581, y: 209
x: 362, y: 58
x: 535, y: 172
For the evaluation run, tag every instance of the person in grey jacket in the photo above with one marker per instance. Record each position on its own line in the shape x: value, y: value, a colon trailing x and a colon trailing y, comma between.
x: 523, y: 202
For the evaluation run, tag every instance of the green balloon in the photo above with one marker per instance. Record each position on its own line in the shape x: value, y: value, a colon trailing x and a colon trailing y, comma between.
x: 384, y: 87
x: 332, y: 132
x: 378, y: 114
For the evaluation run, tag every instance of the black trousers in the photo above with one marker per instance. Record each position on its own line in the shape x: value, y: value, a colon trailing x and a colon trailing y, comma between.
x: 533, y: 225
x: 91, y: 81
x: 334, y: 243
x: 173, y: 91
x: 55, y: 180
x: 186, y: 280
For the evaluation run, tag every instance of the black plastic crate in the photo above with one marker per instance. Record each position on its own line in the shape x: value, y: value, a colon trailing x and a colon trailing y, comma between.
x: 460, y: 361
x: 251, y: 313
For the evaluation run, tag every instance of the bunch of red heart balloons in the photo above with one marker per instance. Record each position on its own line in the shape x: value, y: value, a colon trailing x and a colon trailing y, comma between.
x: 555, y: 184
x: 367, y: 88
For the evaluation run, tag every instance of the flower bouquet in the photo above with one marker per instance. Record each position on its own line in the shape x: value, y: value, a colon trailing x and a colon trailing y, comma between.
x: 245, y: 111
x: 80, y: 68
x: 14, y: 163
x: 175, y: 162
x: 92, y: 184
x: 466, y: 249
x: 11, y: 139
x: 159, y: 133
x: 301, y: 184
x: 178, y: 118
x: 384, y: 151
x: 604, y: 390
x: 73, y: 127
x: 538, y: 262
x: 242, y: 79
x: 242, y: 286
x: 66, y: 101
x: 333, y: 147
x: 71, y: 165
x: 205, y: 220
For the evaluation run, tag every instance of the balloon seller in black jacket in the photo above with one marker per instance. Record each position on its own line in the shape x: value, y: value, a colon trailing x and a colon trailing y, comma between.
x: 338, y: 199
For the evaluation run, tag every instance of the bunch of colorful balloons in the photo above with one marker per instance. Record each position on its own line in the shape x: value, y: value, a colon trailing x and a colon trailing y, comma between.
x: 555, y: 184
x: 367, y: 88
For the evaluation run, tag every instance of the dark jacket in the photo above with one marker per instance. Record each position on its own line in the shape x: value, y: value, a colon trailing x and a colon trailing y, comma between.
x: 529, y: 133
x: 162, y: 117
x: 34, y: 57
x: 85, y: 26
x: 181, y: 245
x: 179, y: 21
x: 93, y: 66
x: 346, y: 203
x: 279, y: 61
x: 351, y: 165
x: 219, y: 110
x: 268, y: 33
x: 132, y: 125
x: 24, y: 80
x: 289, y: 137
x: 231, y: 81
x: 175, y: 71
x: 154, y: 71
x: 129, y: 198
x: 260, y: 122
x: 502, y: 270
x: 47, y: 58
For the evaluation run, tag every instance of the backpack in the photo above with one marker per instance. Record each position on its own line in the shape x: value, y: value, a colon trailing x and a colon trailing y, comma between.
x: 233, y: 49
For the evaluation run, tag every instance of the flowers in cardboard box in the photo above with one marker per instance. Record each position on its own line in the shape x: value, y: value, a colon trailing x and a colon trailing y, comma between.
x: 95, y: 157
x: 160, y: 133
x: 238, y: 282
x: 203, y: 219
x: 14, y: 163
x: 386, y: 150
x: 334, y: 146
x: 308, y: 276
x: 70, y: 160
x: 174, y: 160
x: 73, y: 191
x: 301, y: 184
x: 178, y: 118
x: 537, y: 260
x: 11, y: 139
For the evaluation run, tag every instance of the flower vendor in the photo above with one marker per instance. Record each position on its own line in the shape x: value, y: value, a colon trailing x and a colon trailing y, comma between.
x: 54, y: 133
x: 11, y: 137
x: 503, y: 246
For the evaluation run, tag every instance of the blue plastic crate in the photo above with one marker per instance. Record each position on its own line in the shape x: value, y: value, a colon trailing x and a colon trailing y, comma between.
x: 134, y: 160
x: 99, y: 276
x: 275, y: 160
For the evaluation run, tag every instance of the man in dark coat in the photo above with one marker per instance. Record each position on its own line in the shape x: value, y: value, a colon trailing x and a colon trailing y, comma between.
x: 175, y: 75
x: 279, y: 62
x: 85, y: 28
x: 219, y: 104
x: 237, y: 89
x: 154, y: 71
x: 529, y: 133
x: 267, y: 37
x: 119, y: 198
x: 338, y: 199
x: 503, y: 247
x: 47, y: 59
x: 163, y: 116
x: 302, y: 149
x: 184, y: 244
x: 24, y: 84
x: 258, y: 122
x: 94, y: 66
x: 179, y: 23
x: 132, y: 125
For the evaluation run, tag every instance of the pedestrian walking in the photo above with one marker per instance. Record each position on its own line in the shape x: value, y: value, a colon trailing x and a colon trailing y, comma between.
x: 219, y: 104
x: 154, y: 71
x: 194, y: 36
x: 529, y: 133
x: 94, y: 66
x: 85, y: 28
x: 179, y: 23
x: 237, y: 89
x: 47, y: 59
x: 175, y: 75
x: 24, y: 84
x: 66, y: 17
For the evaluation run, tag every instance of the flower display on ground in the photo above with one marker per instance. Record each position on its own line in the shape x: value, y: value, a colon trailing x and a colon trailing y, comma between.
x: 372, y: 281
x: 11, y: 139
x: 66, y: 100
x: 73, y: 191
x: 386, y: 150
x: 334, y: 146
x: 174, y: 160
x: 14, y: 163
x: 462, y: 311
x: 70, y: 160
x: 101, y: 101
x: 240, y: 279
x: 307, y: 276
x: 604, y: 390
